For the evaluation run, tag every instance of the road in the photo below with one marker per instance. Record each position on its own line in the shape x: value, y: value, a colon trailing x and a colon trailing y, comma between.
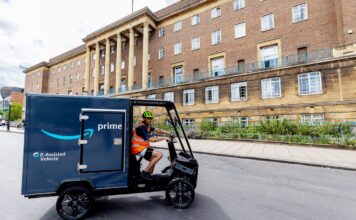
x: 228, y: 188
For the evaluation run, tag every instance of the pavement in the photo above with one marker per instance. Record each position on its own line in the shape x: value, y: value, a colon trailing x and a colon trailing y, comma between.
x: 286, y: 153
x: 297, y: 154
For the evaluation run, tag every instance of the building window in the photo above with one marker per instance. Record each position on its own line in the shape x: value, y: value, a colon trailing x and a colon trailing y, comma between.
x: 240, y: 30
x: 216, y: 37
x: 70, y: 92
x: 178, y: 48
x: 188, y: 97
x: 64, y: 67
x: 102, y: 52
x: 70, y: 79
x: 169, y: 96
x: 212, y: 94
x: 77, y: 76
x: 239, y: 4
x: 161, y: 32
x: 152, y: 97
x: 123, y: 85
x: 135, y: 60
x: 122, y: 64
x: 267, y: 22
x: 215, y: 12
x: 78, y: 62
x: 113, y: 49
x: 188, y: 122
x: 94, y: 56
x: 178, y: 74
x: 195, y: 19
x: 213, y: 120
x: 161, y: 53
x: 217, y: 66
x: 239, y: 91
x: 300, y: 13
x: 112, y: 67
x: 102, y: 70
x: 57, y: 82
x: 312, y: 118
x: 310, y: 83
x: 149, y: 80
x: 195, y: 43
x: 302, y: 54
x: 269, y: 56
x: 37, y: 85
x: 64, y: 81
x: 178, y: 26
x: 242, y: 121
x: 240, y: 66
x: 271, y: 88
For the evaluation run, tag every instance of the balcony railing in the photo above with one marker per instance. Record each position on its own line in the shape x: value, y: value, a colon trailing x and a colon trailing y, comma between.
x: 205, y: 74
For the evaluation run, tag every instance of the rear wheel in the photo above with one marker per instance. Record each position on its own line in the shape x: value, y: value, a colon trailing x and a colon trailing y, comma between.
x: 180, y: 193
x: 74, y: 203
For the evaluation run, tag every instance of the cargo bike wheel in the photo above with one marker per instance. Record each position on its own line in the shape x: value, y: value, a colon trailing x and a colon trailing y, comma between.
x: 74, y: 203
x: 180, y: 193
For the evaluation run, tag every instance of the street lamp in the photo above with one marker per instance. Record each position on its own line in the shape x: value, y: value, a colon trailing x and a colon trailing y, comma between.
x: 8, y: 121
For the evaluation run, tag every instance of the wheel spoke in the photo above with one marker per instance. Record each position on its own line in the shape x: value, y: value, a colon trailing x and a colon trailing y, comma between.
x: 81, y: 209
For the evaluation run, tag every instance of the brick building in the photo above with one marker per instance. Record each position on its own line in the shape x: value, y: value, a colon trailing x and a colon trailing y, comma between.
x: 244, y: 60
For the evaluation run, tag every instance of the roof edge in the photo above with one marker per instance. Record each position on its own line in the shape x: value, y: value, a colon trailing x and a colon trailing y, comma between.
x: 41, y: 64
x: 119, y: 22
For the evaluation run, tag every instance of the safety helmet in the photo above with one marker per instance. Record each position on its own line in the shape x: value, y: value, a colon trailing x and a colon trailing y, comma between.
x: 147, y: 114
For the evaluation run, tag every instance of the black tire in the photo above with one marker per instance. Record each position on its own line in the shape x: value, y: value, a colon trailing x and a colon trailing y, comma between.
x: 180, y: 193
x: 74, y: 203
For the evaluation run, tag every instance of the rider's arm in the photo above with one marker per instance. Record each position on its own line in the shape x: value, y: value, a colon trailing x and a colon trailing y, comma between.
x: 161, y: 131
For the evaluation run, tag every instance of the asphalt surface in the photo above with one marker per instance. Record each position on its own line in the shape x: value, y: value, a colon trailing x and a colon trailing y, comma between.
x: 228, y: 188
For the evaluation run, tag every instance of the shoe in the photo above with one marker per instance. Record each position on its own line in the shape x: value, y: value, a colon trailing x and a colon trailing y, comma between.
x: 146, y: 175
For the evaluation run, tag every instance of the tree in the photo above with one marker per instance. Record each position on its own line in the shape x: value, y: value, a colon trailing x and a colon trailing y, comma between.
x: 16, y: 112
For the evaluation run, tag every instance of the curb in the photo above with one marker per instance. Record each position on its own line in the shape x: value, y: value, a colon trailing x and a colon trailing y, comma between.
x: 325, y: 146
x: 17, y: 132
x: 271, y: 160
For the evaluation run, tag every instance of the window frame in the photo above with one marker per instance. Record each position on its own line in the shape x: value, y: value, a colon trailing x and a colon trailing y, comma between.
x: 178, y: 48
x: 161, y: 53
x: 195, y: 20
x: 306, y: 15
x: 212, y: 89
x: 236, y: 4
x: 177, y: 26
x: 309, y: 85
x: 270, y: 86
x: 262, y: 22
x: 236, y: 32
x: 196, y: 43
x: 217, y: 38
x: 189, y: 92
x: 170, y: 98
x: 217, y: 14
x: 237, y: 97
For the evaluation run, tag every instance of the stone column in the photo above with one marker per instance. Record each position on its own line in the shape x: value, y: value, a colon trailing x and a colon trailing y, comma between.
x: 145, y: 56
x: 97, y: 68
x: 118, y: 63
x: 107, y: 67
x: 130, y: 77
x: 87, y: 70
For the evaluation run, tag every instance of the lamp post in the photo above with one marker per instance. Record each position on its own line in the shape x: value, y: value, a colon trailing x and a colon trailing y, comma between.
x: 8, y: 121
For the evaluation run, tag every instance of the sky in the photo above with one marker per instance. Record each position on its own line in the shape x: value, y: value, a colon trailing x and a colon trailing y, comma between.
x: 32, y: 31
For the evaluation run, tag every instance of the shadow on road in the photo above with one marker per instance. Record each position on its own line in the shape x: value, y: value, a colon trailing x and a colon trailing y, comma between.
x: 150, y: 207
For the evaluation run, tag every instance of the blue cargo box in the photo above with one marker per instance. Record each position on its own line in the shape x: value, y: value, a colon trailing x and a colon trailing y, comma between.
x: 70, y: 138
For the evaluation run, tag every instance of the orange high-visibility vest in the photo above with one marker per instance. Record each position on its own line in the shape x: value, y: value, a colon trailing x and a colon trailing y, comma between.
x: 138, y: 143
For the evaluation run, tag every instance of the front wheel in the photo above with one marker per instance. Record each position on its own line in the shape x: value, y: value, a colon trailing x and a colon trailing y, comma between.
x: 74, y: 203
x: 180, y: 193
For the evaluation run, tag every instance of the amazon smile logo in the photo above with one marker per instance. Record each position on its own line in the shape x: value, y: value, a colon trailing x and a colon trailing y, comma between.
x: 87, y: 132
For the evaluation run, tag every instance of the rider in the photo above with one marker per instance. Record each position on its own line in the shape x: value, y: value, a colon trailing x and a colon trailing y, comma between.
x: 141, y: 138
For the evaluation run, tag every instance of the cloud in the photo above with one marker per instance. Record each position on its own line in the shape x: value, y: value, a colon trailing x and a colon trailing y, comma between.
x: 7, y: 27
x: 169, y: 2
x: 6, y: 1
x: 38, y: 43
x: 11, y: 75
